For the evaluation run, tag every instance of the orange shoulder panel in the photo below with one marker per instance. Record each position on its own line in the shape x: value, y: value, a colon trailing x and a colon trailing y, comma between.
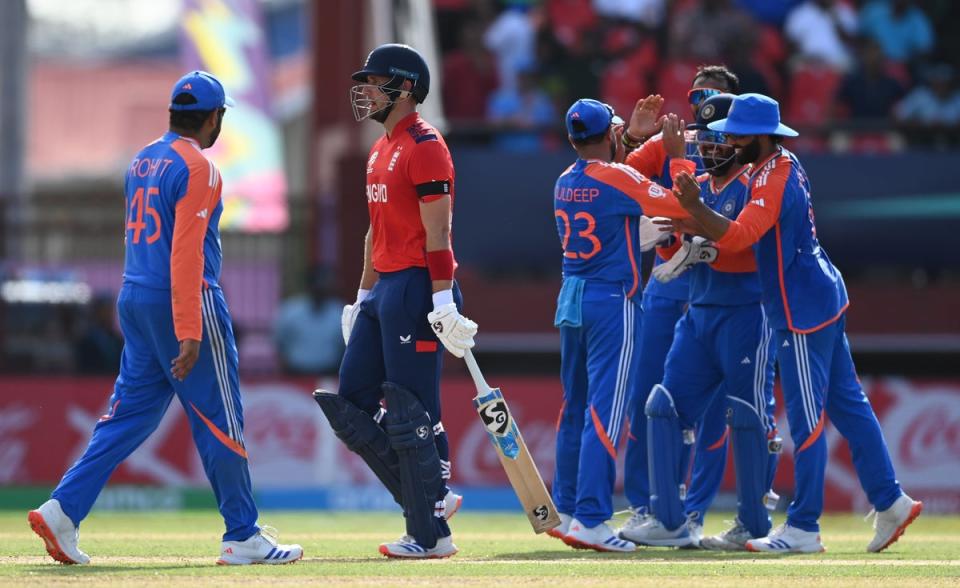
x: 654, y: 199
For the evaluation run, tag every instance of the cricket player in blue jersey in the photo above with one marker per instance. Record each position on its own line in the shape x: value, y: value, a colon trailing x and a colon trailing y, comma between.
x: 178, y: 339
x: 721, y: 347
x: 805, y: 302
x: 599, y: 208
x: 663, y: 305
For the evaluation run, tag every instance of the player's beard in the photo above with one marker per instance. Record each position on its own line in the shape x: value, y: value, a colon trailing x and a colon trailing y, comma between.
x: 750, y: 152
x: 216, y: 131
x: 381, y: 115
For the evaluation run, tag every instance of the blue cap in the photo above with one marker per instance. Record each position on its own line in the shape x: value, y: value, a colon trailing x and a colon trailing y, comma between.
x: 595, y: 116
x: 753, y: 114
x: 207, y: 90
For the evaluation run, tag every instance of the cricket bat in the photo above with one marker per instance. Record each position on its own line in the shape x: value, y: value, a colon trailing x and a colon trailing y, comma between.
x: 512, y: 451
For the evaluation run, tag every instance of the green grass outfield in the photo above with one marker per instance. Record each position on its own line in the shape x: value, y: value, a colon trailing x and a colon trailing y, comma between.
x: 495, y: 550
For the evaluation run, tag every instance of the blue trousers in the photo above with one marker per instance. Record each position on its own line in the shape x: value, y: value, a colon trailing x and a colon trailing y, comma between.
x: 210, y: 395
x: 392, y: 341
x: 710, y: 458
x: 817, y: 375
x: 660, y: 316
x: 598, y: 370
x: 718, y: 349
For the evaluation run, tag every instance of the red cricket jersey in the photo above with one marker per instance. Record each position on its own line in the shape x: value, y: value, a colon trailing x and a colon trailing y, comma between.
x: 410, y: 166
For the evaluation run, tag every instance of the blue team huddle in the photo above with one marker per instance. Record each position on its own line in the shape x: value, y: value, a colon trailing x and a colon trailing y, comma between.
x: 741, y: 290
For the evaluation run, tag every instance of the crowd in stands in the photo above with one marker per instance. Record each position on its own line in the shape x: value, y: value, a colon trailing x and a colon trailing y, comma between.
x: 868, y: 65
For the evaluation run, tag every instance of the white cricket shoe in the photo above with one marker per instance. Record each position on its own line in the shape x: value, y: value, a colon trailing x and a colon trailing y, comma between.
x: 653, y: 533
x: 599, y: 538
x: 58, y: 533
x: 407, y: 547
x: 891, y: 523
x: 638, y: 516
x: 733, y: 539
x: 787, y: 539
x: 451, y: 504
x: 695, y: 528
x: 261, y: 548
x: 561, y: 530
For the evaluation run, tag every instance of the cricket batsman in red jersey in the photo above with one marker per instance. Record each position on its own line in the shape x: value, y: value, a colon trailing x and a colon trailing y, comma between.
x: 407, y: 305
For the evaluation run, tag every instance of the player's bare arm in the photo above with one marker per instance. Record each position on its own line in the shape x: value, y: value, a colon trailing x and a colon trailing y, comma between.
x: 454, y: 330
x: 370, y: 275
x: 368, y: 278
x: 435, y: 216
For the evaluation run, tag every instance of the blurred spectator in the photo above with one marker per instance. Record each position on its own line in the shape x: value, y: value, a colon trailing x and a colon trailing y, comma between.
x: 568, y: 19
x: 98, y: 348
x: 869, y: 92
x: 769, y: 12
x: 819, y: 30
x: 511, y: 38
x: 469, y: 76
x: 453, y: 16
x: 649, y: 13
x: 708, y: 30
x: 568, y: 74
x: 900, y: 26
x: 522, y: 112
x: 307, y: 329
x: 936, y: 102
x: 751, y: 78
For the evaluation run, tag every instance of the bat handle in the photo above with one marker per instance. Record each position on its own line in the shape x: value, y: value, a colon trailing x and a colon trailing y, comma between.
x: 475, y: 373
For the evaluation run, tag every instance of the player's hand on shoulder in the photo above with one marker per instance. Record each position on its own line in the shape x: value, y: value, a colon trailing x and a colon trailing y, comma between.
x: 182, y: 364
x: 645, y: 120
x: 454, y: 330
x: 653, y: 232
x: 694, y: 250
x: 674, y: 141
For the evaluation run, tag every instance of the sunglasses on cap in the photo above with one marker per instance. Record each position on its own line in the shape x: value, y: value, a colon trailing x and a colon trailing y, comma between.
x: 697, y: 95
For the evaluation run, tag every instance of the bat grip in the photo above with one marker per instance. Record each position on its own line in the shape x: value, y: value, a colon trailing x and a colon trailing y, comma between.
x: 475, y: 373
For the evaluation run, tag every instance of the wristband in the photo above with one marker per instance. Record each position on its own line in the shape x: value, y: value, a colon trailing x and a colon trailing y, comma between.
x: 441, y: 264
x: 442, y: 297
x: 629, y: 142
x: 362, y: 295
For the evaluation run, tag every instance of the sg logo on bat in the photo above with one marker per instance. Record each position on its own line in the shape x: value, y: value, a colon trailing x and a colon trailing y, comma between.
x: 496, y: 417
x: 541, y: 512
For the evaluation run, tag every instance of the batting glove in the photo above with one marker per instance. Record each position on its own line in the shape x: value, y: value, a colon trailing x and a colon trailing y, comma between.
x: 453, y: 329
x: 652, y: 234
x: 349, y: 315
x: 695, y: 250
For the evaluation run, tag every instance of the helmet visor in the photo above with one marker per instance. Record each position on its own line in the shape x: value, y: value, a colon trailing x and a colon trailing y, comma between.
x: 716, y: 155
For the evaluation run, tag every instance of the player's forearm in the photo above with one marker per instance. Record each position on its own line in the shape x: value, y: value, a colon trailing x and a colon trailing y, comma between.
x: 435, y: 216
x: 370, y: 275
x: 713, y: 226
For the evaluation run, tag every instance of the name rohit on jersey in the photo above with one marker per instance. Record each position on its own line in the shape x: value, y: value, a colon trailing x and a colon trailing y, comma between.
x: 377, y: 193
x: 576, y: 194
x: 148, y: 168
